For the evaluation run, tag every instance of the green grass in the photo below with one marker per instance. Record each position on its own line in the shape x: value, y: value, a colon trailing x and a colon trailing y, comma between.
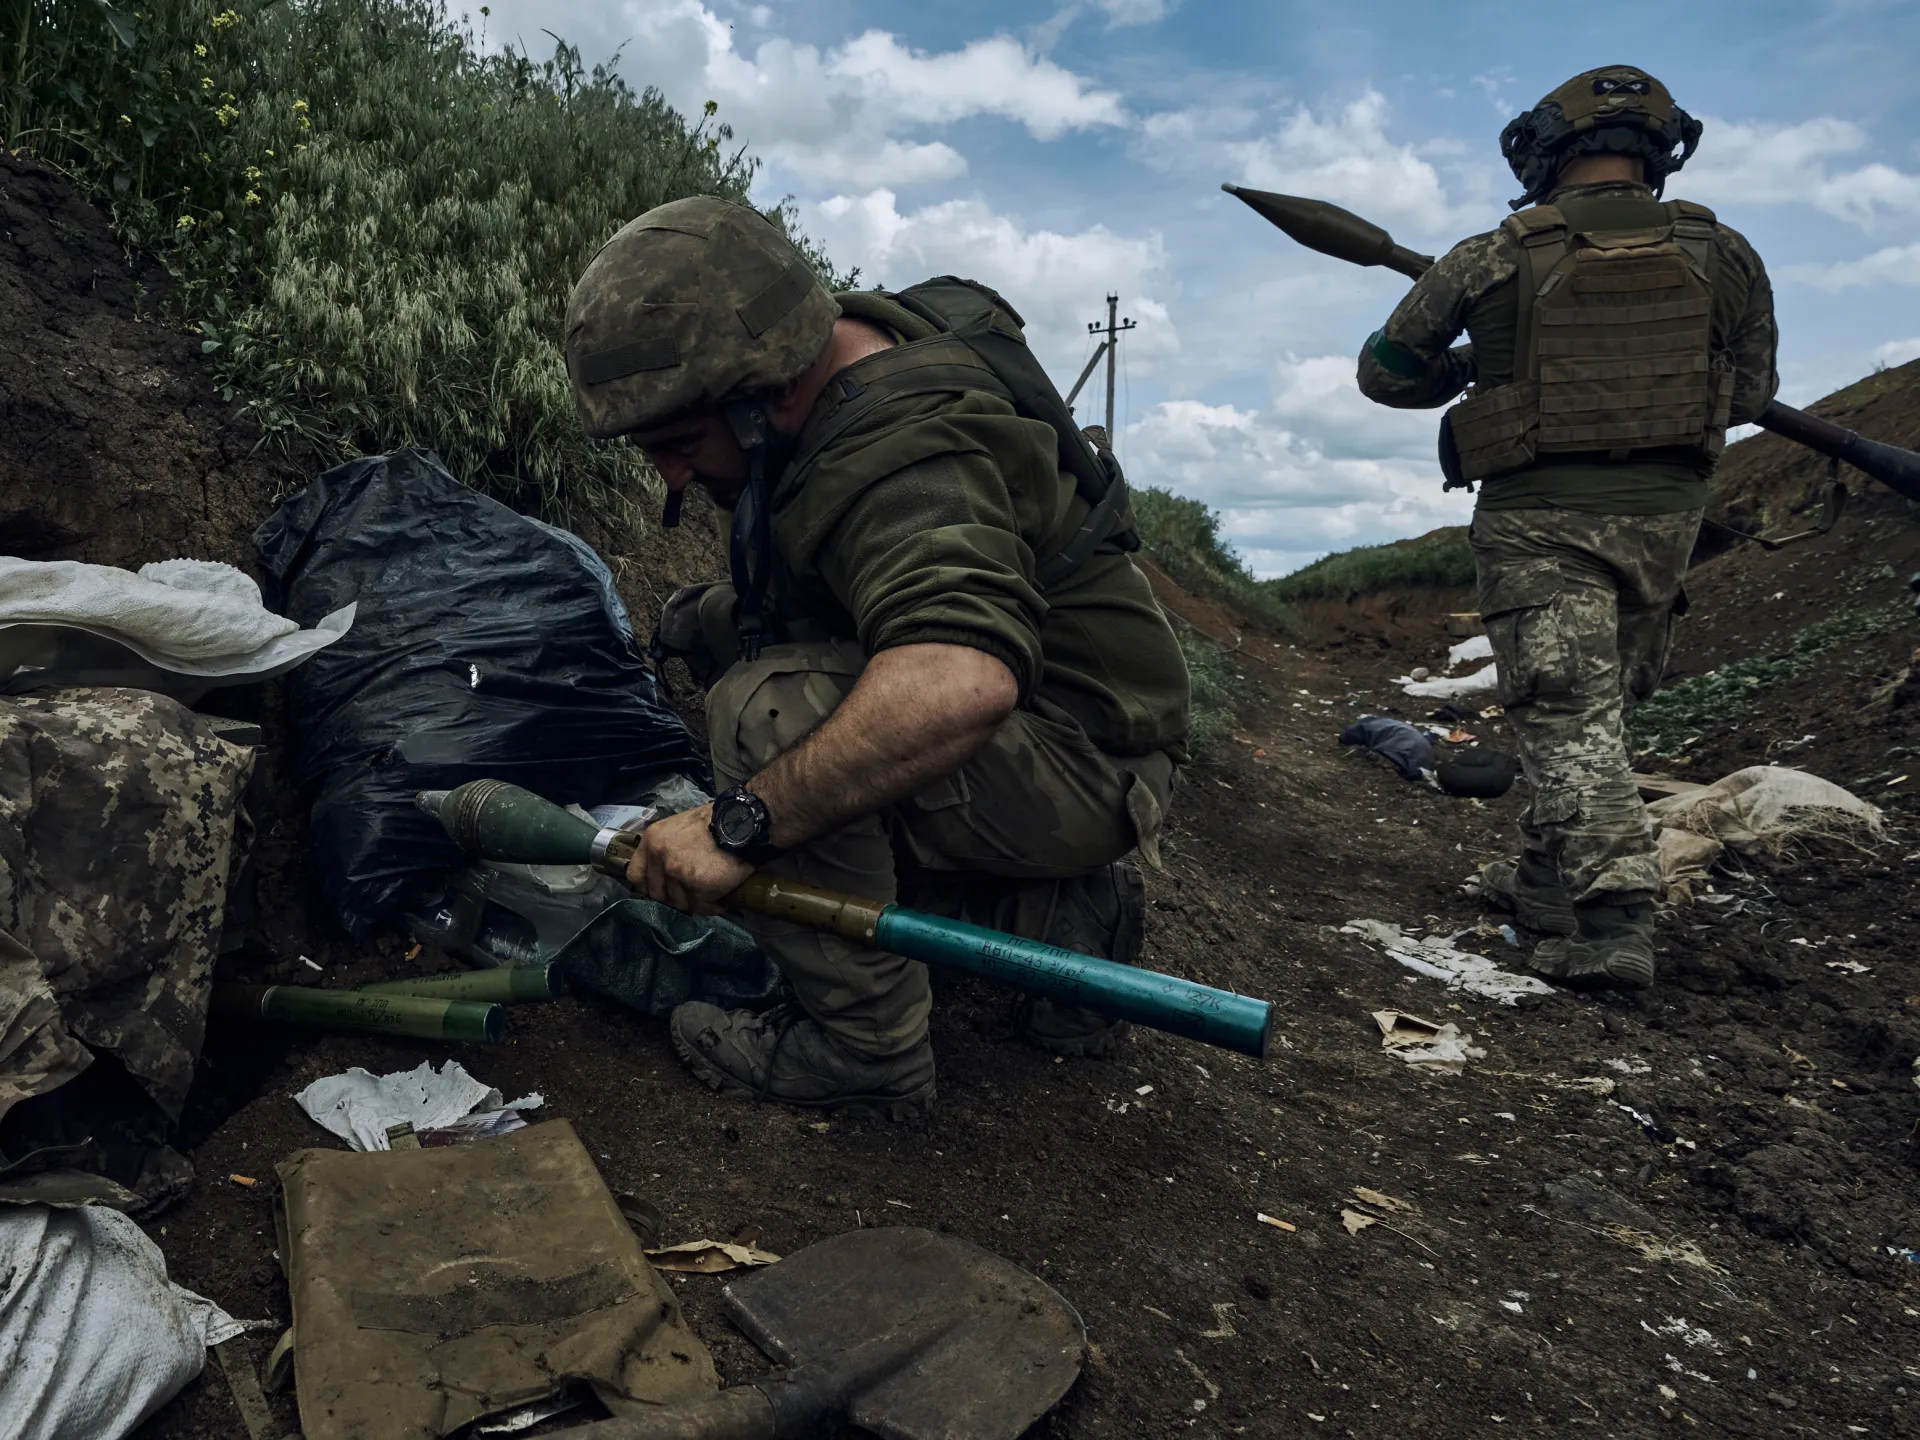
x: 1682, y: 712
x: 373, y: 224
x: 1217, y: 687
x: 1441, y: 560
x: 1183, y: 535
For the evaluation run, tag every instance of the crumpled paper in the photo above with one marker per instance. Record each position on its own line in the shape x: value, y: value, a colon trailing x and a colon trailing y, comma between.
x: 359, y: 1106
x: 1424, y: 1044
x: 1436, y: 955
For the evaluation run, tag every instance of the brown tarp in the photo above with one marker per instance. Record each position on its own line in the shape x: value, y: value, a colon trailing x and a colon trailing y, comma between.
x: 432, y: 1287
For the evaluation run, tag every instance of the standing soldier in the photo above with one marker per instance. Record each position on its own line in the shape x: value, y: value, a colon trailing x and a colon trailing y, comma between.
x: 1614, y: 338
x: 936, y: 674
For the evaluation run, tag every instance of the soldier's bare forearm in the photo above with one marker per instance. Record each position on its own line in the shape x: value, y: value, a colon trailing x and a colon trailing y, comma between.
x: 915, y: 715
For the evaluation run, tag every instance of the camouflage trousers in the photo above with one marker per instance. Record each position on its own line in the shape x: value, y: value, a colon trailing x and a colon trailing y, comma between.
x: 1039, y: 801
x: 1580, y: 609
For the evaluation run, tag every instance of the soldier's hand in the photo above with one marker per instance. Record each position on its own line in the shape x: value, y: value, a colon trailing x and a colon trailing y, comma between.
x: 678, y: 864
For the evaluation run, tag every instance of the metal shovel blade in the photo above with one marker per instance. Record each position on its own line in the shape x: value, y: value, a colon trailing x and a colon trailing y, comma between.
x: 986, y: 1349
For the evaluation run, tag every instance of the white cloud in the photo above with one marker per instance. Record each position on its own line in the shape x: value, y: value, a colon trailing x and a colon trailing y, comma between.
x: 1343, y: 155
x: 1895, y: 265
x: 1053, y: 279
x: 833, y: 116
x: 1137, y: 12
x: 1763, y: 164
x: 1897, y: 352
x: 1289, y: 480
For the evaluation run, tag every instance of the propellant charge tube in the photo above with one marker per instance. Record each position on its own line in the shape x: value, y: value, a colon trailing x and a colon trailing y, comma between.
x: 385, y: 1014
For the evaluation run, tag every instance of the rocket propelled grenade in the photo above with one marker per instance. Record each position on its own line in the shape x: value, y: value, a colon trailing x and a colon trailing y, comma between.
x: 492, y: 820
x: 427, y: 1017
x: 1332, y: 231
x: 1323, y: 226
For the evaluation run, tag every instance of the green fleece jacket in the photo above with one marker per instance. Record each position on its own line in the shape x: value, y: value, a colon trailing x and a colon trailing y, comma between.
x: 923, y: 521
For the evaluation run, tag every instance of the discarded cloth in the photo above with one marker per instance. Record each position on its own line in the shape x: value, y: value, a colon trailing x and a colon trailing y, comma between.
x: 433, y: 1287
x: 1407, y: 749
x: 120, y: 826
x: 1764, y: 810
x: 1477, y: 774
x: 1439, y: 957
x: 1480, y: 647
x: 93, y: 1335
x: 360, y: 1106
x: 178, y: 626
x: 1483, y: 681
x: 487, y: 646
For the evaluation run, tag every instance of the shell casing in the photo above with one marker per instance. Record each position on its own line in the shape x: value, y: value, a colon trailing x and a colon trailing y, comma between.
x: 507, y: 985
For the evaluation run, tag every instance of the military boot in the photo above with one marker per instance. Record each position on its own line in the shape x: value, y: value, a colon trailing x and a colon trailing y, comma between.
x: 785, y: 1054
x: 1528, y: 889
x: 1103, y: 913
x: 1612, y: 946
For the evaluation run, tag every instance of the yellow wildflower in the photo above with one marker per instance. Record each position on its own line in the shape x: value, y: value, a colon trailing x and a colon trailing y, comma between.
x: 252, y: 197
x: 185, y: 222
x: 225, y: 20
x: 199, y: 52
x: 252, y: 172
x: 206, y: 82
x: 226, y: 114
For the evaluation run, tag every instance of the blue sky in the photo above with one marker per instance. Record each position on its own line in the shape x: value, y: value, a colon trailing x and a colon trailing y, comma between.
x: 1060, y: 153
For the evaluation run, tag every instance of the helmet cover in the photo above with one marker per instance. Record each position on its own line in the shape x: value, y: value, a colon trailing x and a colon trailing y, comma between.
x: 1615, y: 110
x: 697, y: 302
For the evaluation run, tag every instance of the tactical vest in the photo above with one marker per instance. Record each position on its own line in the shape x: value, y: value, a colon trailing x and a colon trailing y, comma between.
x: 981, y: 346
x: 1613, y: 350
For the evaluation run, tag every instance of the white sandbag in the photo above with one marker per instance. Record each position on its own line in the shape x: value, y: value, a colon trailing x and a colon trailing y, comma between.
x: 359, y: 1106
x: 93, y: 1336
x: 1483, y: 681
x: 1684, y: 858
x: 63, y: 622
x: 1764, y: 809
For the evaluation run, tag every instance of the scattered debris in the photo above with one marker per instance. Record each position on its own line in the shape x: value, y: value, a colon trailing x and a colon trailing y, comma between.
x: 1477, y: 774
x: 1357, y: 1220
x: 709, y: 1257
x: 1676, y: 1328
x: 1483, y: 681
x: 360, y: 1106
x: 1438, y: 957
x: 1425, y: 1044
x: 1764, y: 810
x: 1404, y: 747
x: 1277, y: 1224
x: 1223, y: 1322
x: 1850, y: 967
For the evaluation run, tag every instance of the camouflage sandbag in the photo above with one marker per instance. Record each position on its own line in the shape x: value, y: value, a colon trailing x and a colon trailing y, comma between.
x: 118, y: 818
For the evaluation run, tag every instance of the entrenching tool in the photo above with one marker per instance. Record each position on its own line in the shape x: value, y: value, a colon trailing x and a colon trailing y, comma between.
x: 492, y: 820
x: 905, y: 1333
x: 1342, y: 234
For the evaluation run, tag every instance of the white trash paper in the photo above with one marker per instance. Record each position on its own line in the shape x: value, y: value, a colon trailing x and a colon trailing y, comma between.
x: 359, y: 1106
x: 1483, y: 681
x: 1437, y: 956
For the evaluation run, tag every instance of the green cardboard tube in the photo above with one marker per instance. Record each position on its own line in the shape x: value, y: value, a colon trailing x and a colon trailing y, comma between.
x: 508, y: 985
x: 424, y: 1017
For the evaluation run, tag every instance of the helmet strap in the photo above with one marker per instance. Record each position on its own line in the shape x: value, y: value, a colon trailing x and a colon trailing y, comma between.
x: 750, y: 543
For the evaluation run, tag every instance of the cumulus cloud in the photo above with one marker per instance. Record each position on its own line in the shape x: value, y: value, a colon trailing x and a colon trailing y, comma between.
x: 834, y: 116
x: 1895, y: 265
x: 1288, y: 479
x: 1797, y: 164
x: 1137, y: 12
x: 1344, y: 155
x: 1053, y: 279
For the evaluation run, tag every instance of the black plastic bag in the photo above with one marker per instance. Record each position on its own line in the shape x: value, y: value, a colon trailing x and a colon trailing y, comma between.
x: 654, y: 959
x: 486, y: 644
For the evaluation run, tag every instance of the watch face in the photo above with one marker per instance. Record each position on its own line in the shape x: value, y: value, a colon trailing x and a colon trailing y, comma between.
x: 735, y: 820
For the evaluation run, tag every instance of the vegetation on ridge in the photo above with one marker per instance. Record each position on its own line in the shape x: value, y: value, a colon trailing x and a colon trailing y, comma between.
x: 373, y: 222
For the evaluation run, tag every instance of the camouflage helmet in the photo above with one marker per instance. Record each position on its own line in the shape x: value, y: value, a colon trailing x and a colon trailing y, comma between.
x: 1615, y: 110
x: 697, y: 302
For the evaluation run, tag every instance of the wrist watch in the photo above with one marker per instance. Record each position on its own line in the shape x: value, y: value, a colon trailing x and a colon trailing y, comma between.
x: 741, y: 826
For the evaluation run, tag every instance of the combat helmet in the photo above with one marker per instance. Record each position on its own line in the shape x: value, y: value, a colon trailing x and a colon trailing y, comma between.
x: 697, y: 302
x: 1615, y: 110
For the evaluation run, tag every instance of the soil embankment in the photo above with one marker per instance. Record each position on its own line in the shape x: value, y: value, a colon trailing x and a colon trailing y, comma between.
x: 1690, y: 1210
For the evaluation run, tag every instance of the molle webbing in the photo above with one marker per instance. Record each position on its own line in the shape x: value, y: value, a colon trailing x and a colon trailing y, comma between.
x: 1613, y: 346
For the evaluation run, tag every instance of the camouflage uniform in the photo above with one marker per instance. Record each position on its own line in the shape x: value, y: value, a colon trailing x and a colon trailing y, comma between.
x: 1039, y: 802
x: 1580, y: 557
x: 119, y: 823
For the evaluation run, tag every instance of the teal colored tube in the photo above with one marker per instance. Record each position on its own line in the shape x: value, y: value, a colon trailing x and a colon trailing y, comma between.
x: 1161, y: 1002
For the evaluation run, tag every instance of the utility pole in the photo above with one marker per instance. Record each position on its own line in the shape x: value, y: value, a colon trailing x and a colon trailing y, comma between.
x: 1112, y: 331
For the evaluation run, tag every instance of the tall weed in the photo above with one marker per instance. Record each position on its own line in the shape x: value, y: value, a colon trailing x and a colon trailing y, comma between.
x: 373, y: 223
